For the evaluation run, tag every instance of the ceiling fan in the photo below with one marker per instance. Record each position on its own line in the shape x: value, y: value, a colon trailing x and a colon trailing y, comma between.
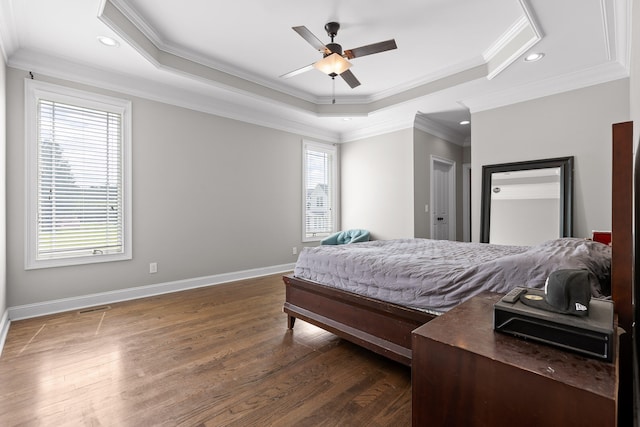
x: 333, y: 61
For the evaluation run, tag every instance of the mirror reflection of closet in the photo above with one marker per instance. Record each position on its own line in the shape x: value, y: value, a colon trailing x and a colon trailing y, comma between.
x: 527, y: 203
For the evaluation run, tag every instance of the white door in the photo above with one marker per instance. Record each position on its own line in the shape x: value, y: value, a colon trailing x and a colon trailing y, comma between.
x: 442, y: 199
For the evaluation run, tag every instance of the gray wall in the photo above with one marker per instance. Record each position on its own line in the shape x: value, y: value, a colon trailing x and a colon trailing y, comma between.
x: 3, y: 180
x: 425, y: 146
x: 377, y: 185
x: 213, y: 195
x: 385, y: 183
x: 576, y: 123
x: 466, y: 154
x: 210, y: 196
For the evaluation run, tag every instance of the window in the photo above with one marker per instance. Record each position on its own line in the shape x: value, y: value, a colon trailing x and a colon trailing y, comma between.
x: 319, y: 190
x: 78, y: 177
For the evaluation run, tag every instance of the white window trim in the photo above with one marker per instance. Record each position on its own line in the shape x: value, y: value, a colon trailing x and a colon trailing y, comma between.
x: 35, y: 90
x: 327, y: 148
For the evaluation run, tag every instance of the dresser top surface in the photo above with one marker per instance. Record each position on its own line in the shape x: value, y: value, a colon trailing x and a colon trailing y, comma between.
x: 469, y: 327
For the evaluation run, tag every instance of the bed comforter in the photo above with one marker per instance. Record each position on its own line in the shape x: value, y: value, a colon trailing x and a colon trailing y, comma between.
x: 437, y: 275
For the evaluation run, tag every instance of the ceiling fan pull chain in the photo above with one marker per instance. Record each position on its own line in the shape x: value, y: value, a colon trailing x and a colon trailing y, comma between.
x: 333, y: 78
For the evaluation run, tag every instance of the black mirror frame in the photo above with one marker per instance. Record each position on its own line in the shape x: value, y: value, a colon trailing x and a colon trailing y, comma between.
x: 566, y: 191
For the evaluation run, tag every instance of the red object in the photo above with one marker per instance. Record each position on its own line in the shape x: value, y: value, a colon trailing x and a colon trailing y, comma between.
x: 602, y: 237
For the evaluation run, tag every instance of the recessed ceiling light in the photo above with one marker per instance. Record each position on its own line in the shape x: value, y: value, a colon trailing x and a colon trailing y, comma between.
x: 465, y: 122
x: 346, y: 119
x: 532, y: 57
x: 108, y: 41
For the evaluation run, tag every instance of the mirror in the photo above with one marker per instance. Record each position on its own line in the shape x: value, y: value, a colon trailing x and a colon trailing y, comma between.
x: 526, y: 203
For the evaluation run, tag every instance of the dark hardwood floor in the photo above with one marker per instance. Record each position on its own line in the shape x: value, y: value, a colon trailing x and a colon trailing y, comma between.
x: 216, y: 356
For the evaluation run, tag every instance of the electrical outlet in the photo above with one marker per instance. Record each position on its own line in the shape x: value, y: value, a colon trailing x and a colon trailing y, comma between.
x: 294, y: 251
x: 153, y: 267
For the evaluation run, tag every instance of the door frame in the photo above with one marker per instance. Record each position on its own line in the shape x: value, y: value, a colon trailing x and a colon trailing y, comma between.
x: 466, y: 202
x: 452, y: 194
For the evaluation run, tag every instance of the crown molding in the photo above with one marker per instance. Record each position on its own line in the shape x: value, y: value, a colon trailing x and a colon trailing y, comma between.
x: 621, y: 34
x: 520, y: 37
x: 604, y: 73
x: 141, y: 41
x: 434, y: 128
x: 131, y: 14
x: 9, y: 41
x: 136, y: 19
x: 616, y: 21
x: 529, y: 14
x: 129, y: 25
x: 161, y: 45
x: 608, y: 27
x: 417, y: 85
x: 290, y: 111
x: 120, y: 23
x: 379, y: 128
x: 505, y: 38
x: 41, y: 63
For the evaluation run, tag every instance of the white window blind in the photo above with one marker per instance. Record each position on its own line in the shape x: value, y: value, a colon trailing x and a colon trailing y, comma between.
x: 79, y: 206
x: 79, y: 182
x: 319, y: 191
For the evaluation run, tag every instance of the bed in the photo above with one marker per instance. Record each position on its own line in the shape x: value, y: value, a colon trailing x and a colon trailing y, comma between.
x: 437, y: 275
x: 381, y: 320
x: 413, y: 280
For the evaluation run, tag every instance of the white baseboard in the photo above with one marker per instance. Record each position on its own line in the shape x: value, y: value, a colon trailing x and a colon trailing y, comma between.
x: 84, y: 301
x: 4, y: 329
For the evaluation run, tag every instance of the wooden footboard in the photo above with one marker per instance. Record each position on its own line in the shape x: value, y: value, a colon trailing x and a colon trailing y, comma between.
x: 379, y: 326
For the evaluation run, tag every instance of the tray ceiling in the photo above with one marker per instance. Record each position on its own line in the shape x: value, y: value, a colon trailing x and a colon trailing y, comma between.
x: 453, y: 57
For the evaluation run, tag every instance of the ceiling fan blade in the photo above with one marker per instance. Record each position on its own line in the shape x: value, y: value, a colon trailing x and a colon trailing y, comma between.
x: 298, y: 71
x: 351, y: 80
x: 311, y: 39
x: 370, y: 49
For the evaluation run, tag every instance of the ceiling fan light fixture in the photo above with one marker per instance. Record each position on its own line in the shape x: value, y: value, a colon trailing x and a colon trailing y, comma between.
x: 332, y: 64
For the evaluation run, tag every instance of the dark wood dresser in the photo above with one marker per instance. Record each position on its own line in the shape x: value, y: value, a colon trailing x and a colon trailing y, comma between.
x: 465, y: 374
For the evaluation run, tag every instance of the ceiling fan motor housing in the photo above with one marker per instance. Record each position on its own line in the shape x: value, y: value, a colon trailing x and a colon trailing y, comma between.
x: 332, y: 29
x: 334, y: 48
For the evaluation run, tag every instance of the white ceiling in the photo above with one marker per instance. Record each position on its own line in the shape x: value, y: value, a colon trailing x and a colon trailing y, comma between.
x: 453, y: 56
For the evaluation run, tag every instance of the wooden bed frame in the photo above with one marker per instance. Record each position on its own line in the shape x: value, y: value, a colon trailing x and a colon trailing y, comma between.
x: 386, y: 328
x: 377, y: 325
